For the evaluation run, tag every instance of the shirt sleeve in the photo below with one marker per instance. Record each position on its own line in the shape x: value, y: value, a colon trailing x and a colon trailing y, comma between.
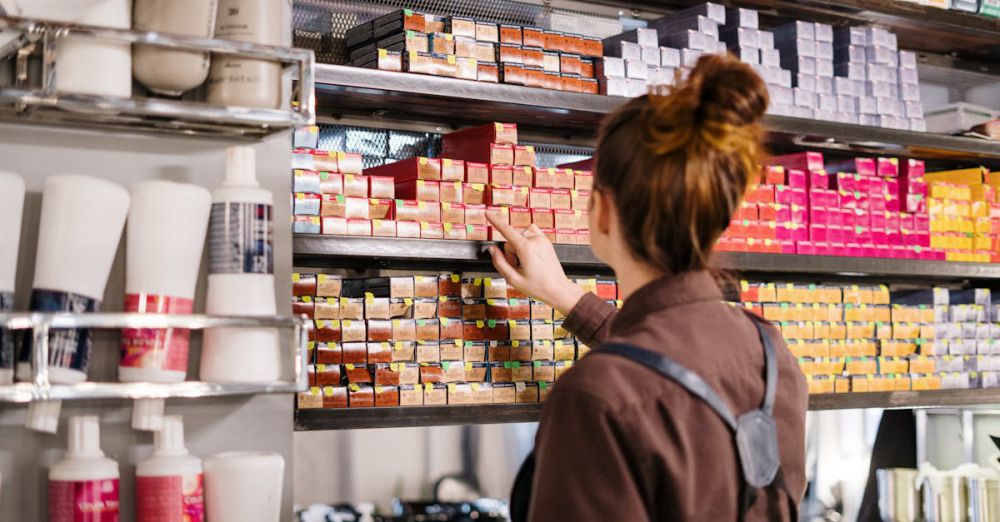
x: 590, y: 320
x: 582, y: 465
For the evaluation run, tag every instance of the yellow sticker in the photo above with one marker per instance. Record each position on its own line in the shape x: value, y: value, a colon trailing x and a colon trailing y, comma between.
x: 477, y: 281
x: 451, y: 58
x: 382, y: 53
x: 307, y: 299
x: 314, y: 390
x: 428, y: 386
x: 394, y: 367
x: 385, y: 345
x: 480, y: 324
x: 408, y: 301
x: 515, y: 344
x: 468, y: 366
x: 346, y: 323
x: 369, y: 296
x: 455, y: 278
x: 321, y: 367
x: 343, y: 301
x: 421, y: 204
x: 512, y: 323
x: 300, y: 195
x: 488, y: 281
x: 399, y: 345
x: 446, y: 161
x: 349, y: 367
x: 295, y: 277
x: 458, y: 343
x: 530, y: 148
x: 447, y: 227
x: 443, y: 298
x: 475, y: 386
x: 328, y: 391
x: 444, y: 321
x: 451, y: 387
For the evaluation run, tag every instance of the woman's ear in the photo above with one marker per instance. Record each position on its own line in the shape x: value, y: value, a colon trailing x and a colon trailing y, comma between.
x: 601, y: 208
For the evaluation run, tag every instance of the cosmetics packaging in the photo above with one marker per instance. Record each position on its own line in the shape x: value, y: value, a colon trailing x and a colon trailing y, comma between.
x: 84, y: 484
x: 168, y: 71
x: 169, y: 485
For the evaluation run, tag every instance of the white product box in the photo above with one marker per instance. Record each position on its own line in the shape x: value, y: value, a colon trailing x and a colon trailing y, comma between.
x: 750, y: 55
x: 844, y: 87
x: 806, y: 82
x: 850, y: 54
x: 637, y: 87
x: 783, y: 77
x: 915, y: 110
x: 610, y: 67
x: 868, y: 119
x: 804, y: 98
x: 824, y: 85
x: 670, y: 57
x: 881, y: 89
x: 650, y: 54
x: 646, y: 37
x: 881, y: 73
x: 636, y: 69
x: 827, y: 103
x: 825, y: 115
x: 824, y: 51
x: 765, y: 39
x: 824, y: 68
x: 909, y: 76
x: 824, y: 33
x: 770, y: 57
x: 908, y: 59
x: 742, y: 18
x: 614, y: 86
x: 848, y: 104
x: 888, y: 107
x: 803, y: 112
x: 631, y: 51
x: 802, y: 48
x: 882, y: 55
x: 867, y: 105
x: 854, y: 71
x: 689, y: 57
x: 909, y: 92
x: 918, y: 125
x: 689, y: 39
x: 845, y: 36
x: 881, y: 38
x: 781, y: 95
x: 740, y: 37
x: 664, y: 76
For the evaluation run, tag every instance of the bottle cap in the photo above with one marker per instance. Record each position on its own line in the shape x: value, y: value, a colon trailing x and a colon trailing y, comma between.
x: 84, y: 437
x: 170, y: 439
x: 147, y: 414
x: 43, y: 416
x: 241, y: 166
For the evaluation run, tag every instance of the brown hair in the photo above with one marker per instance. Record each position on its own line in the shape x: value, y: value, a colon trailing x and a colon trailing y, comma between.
x: 678, y: 164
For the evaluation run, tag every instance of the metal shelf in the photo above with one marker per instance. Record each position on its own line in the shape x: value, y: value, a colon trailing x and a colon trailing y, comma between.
x: 442, y: 254
x: 42, y: 389
x: 361, y: 418
x: 33, y: 99
x: 344, y: 90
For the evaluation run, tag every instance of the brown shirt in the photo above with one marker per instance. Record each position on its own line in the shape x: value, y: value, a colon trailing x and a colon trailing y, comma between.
x: 616, y: 437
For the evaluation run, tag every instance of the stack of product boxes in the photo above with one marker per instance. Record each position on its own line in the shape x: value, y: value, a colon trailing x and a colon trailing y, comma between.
x: 463, y: 48
x: 964, y: 214
x: 856, y: 339
x: 757, y: 48
x: 984, y: 7
x: 322, y: 180
x: 484, y: 171
x: 431, y: 340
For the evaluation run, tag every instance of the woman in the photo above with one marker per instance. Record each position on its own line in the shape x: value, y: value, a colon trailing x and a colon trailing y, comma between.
x: 619, y: 440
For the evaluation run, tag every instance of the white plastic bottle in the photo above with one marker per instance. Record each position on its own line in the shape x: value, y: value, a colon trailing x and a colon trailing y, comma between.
x: 169, y: 71
x: 84, y: 485
x: 87, y: 65
x: 246, y: 82
x: 244, y: 486
x: 241, y: 276
x: 170, y: 485
x: 11, y: 208
x: 166, y: 226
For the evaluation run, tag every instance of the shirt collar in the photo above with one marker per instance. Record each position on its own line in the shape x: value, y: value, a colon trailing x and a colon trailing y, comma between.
x: 669, y: 291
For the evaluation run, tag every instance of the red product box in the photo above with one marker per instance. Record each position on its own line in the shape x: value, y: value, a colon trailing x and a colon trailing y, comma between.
x: 767, y: 212
x: 797, y: 178
x: 564, y: 179
x: 583, y: 180
x: 524, y: 155
x: 501, y: 175
x: 475, y: 214
x: 747, y: 211
x: 520, y: 217
x: 356, y: 185
x: 419, y: 189
x: 774, y: 175
x: 477, y: 232
x: 785, y: 196
x: 543, y: 218
x: 523, y: 176
x: 382, y: 187
x: 887, y: 167
x: 768, y: 193
x: 481, y: 135
x: 561, y: 199
x: 499, y: 213
x: 819, y: 179
x: 408, y: 229
x: 359, y: 227
x: 800, y: 161
x: 491, y: 153
x: 845, y: 181
x: 501, y: 195
x: 474, y: 193
x: 454, y: 231
x: 431, y: 230
x: 451, y: 192
x: 566, y: 219
x: 335, y: 225
x: 540, y: 198
x: 453, y: 213
x: 581, y: 199
x: 410, y: 169
x: 520, y: 196
x: 565, y: 237
x: 545, y: 178
x: 383, y: 228
x: 349, y: 163
x: 452, y: 170
x: 878, y: 236
x: 477, y: 172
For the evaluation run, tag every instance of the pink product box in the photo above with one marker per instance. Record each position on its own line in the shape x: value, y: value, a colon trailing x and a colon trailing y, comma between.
x: 797, y: 178
x: 883, y: 251
x: 818, y: 233
x: 855, y: 250
x: 788, y: 247
x: 887, y: 167
x: 799, y: 214
x: 820, y: 216
x: 846, y: 181
x: 799, y: 160
x: 892, y: 220
x: 916, y: 187
x: 877, y: 204
x: 819, y: 179
x: 921, y: 223
x: 876, y: 186
x: 915, y: 203
x: 879, y: 219
x: 892, y: 205
x: 783, y: 213
x: 836, y: 234
x: 805, y: 248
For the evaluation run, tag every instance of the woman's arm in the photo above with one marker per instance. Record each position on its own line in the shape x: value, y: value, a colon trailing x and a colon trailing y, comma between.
x: 529, y: 262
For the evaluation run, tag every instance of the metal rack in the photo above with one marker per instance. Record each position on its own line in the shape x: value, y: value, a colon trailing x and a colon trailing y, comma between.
x: 343, y: 90
x: 33, y: 100
x: 362, y: 418
x: 41, y: 388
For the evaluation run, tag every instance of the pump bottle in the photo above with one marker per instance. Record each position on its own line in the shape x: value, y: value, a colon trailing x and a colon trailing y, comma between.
x: 170, y: 484
x: 84, y: 485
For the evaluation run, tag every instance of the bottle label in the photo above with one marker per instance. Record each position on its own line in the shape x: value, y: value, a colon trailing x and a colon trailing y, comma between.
x: 83, y: 501
x: 170, y: 499
x: 156, y: 348
x: 240, y: 239
x: 6, y: 336
x: 68, y: 348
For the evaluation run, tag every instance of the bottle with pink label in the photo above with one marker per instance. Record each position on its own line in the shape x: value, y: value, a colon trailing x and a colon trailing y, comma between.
x: 84, y: 485
x: 170, y: 485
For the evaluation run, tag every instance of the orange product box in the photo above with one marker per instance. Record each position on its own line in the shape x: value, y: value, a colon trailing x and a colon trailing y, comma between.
x: 356, y: 185
x: 451, y: 192
x: 408, y: 229
x: 524, y: 155
x: 419, y: 189
x: 453, y: 213
x: 474, y: 193
x: 409, y: 169
x: 552, y: 81
x: 564, y: 178
x: 841, y: 384
x: 533, y: 56
x: 565, y: 237
x: 477, y: 172
x: 523, y: 176
x: 359, y: 227
x: 452, y: 170
x: 540, y: 198
x: 382, y: 187
x: 532, y: 37
x: 501, y: 175
x: 502, y: 195
x: 477, y: 232
x: 820, y: 384
x: 431, y: 230
x: 861, y: 366
x: 501, y: 214
x: 545, y: 178
x: 583, y: 180
x: 520, y: 217
x: 561, y: 199
x: 334, y: 226
x: 383, y: 228
x: 543, y: 218
x: 475, y: 214
x: 380, y: 208
x: 454, y: 231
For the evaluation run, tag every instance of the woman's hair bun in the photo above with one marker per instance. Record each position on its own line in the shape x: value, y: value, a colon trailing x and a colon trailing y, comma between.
x: 727, y: 91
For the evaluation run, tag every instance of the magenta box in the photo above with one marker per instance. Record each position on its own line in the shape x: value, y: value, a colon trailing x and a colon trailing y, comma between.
x: 878, y: 219
x: 819, y: 179
x: 799, y: 160
x: 864, y: 184
x: 892, y: 205
x: 799, y: 214
x: 906, y: 222
x: 921, y: 223
x: 893, y: 237
x: 855, y: 250
x: 887, y: 167
x: 891, y: 187
x: 846, y: 181
x: 801, y: 232
x: 783, y: 212
x: 805, y: 248
x: 917, y: 187
x: 883, y: 251
x: 818, y: 233
x: 819, y: 216
x: 877, y: 186
x: 892, y: 220
x: 911, y: 168
x: 788, y: 247
x: 923, y: 239
x: 797, y: 178
x: 899, y: 252
x: 916, y: 203
x: 878, y: 236
x: 835, y: 234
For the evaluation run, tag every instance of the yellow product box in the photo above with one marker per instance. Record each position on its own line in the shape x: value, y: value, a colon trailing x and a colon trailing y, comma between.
x: 935, y: 207
x: 814, y: 366
x: 775, y: 312
x: 880, y: 295
x: 838, y: 330
x: 839, y: 348
x: 983, y: 225
x: 928, y: 347
x: 966, y: 226
x: 896, y: 348
x: 767, y: 293
x: 819, y: 347
x: 800, y: 312
x: 830, y: 294
x: 858, y: 313
x: 981, y: 242
x: 799, y: 348
x: 837, y: 364
x: 892, y: 365
x: 789, y: 330
x: 972, y: 176
x: 925, y: 382
x: 883, y: 330
x: 900, y: 383
x: 860, y: 330
x: 879, y: 383
x: 982, y: 193
x: 820, y: 384
x: 927, y: 331
x: 921, y: 364
x: 991, y: 178
x: 979, y: 209
x: 862, y: 348
x: 841, y: 384
x: 790, y: 293
x: 827, y: 312
x: 821, y: 330
x: 860, y: 365
x: 905, y: 314
x: 905, y: 330
x: 860, y: 383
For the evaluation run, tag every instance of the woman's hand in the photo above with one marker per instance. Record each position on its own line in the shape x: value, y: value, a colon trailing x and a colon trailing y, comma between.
x: 529, y: 262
